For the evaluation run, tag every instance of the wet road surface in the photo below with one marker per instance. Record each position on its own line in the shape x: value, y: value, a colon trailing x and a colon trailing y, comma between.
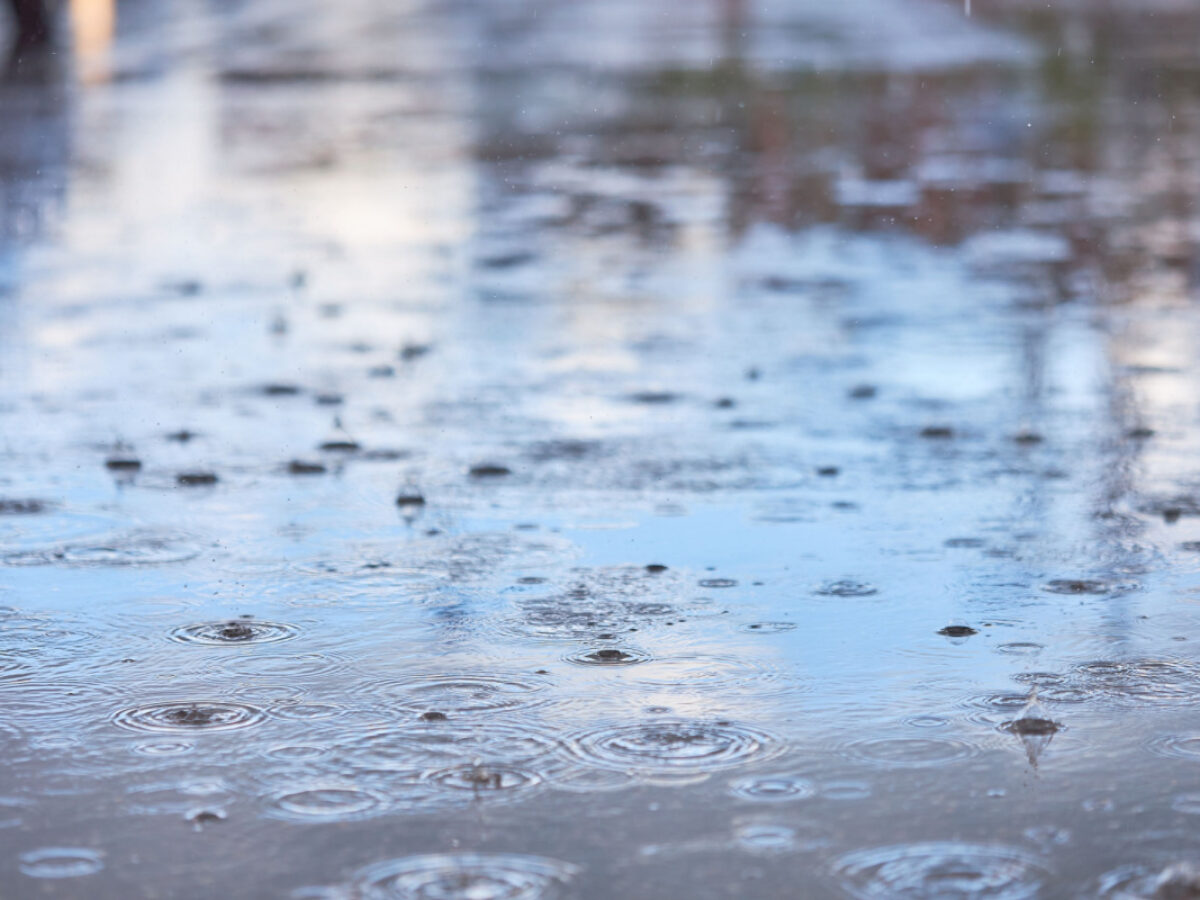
x: 591, y: 449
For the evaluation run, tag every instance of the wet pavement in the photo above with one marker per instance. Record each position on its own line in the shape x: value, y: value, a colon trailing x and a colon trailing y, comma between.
x: 591, y: 449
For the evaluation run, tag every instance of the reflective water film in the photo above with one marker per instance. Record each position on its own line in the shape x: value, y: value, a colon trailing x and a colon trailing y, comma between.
x: 600, y: 448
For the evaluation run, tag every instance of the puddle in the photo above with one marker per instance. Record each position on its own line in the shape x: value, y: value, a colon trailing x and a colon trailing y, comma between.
x: 489, y: 441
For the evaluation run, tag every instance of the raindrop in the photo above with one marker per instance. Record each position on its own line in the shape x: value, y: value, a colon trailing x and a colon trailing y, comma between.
x: 195, y: 479
x: 957, y: 631
x: 1076, y: 586
x: 189, y: 715
x: 608, y: 656
x: 235, y: 631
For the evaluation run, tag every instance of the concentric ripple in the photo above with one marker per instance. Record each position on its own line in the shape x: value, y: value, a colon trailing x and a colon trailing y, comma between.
x: 1137, y: 882
x: 768, y: 627
x: 608, y: 656
x: 189, y: 715
x: 996, y: 707
x: 51, y: 701
x: 772, y: 788
x: 1137, y: 682
x: 61, y: 862
x: 674, y: 746
x: 126, y: 550
x: 909, y: 753
x: 439, y: 745
x: 948, y: 871
x: 233, y: 631
x: 486, y: 780
x: 298, y: 665
x: 700, y: 672
x: 766, y: 838
x: 466, y: 876
x: 1077, y: 586
x: 846, y: 588
x: 324, y: 803
x: 460, y: 694
x: 1177, y: 746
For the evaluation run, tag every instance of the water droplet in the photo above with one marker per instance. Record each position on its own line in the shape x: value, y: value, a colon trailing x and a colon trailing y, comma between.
x: 189, y: 715
x: 235, y: 631
x: 608, y: 656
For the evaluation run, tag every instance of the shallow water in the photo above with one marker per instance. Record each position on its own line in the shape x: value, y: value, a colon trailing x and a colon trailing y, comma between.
x: 601, y: 449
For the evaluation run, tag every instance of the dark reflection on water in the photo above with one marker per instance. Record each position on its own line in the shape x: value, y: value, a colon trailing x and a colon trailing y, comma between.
x: 748, y: 449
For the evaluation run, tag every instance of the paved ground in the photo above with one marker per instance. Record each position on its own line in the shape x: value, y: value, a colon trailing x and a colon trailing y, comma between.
x: 791, y: 408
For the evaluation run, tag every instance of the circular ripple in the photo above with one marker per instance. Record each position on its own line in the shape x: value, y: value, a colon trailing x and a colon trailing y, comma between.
x: 466, y: 876
x: 926, y: 721
x: 908, y: 753
x: 460, y: 694
x: 163, y: 748
x: 61, y: 862
x: 299, y: 665
x: 234, y: 631
x: 324, y: 803
x: 996, y: 707
x: 295, y: 752
x: 51, y: 701
x: 1076, y: 586
x: 764, y: 838
x: 608, y: 656
x: 1141, y: 682
x: 1178, y: 746
x: 772, y: 788
x: 1136, y: 882
x: 674, y: 747
x: 942, y: 870
x: 846, y: 588
x: 768, y: 627
x: 127, y: 550
x: 717, y: 582
x: 438, y: 745
x: 485, y: 780
x: 699, y: 672
x: 189, y: 715
x: 1020, y: 648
